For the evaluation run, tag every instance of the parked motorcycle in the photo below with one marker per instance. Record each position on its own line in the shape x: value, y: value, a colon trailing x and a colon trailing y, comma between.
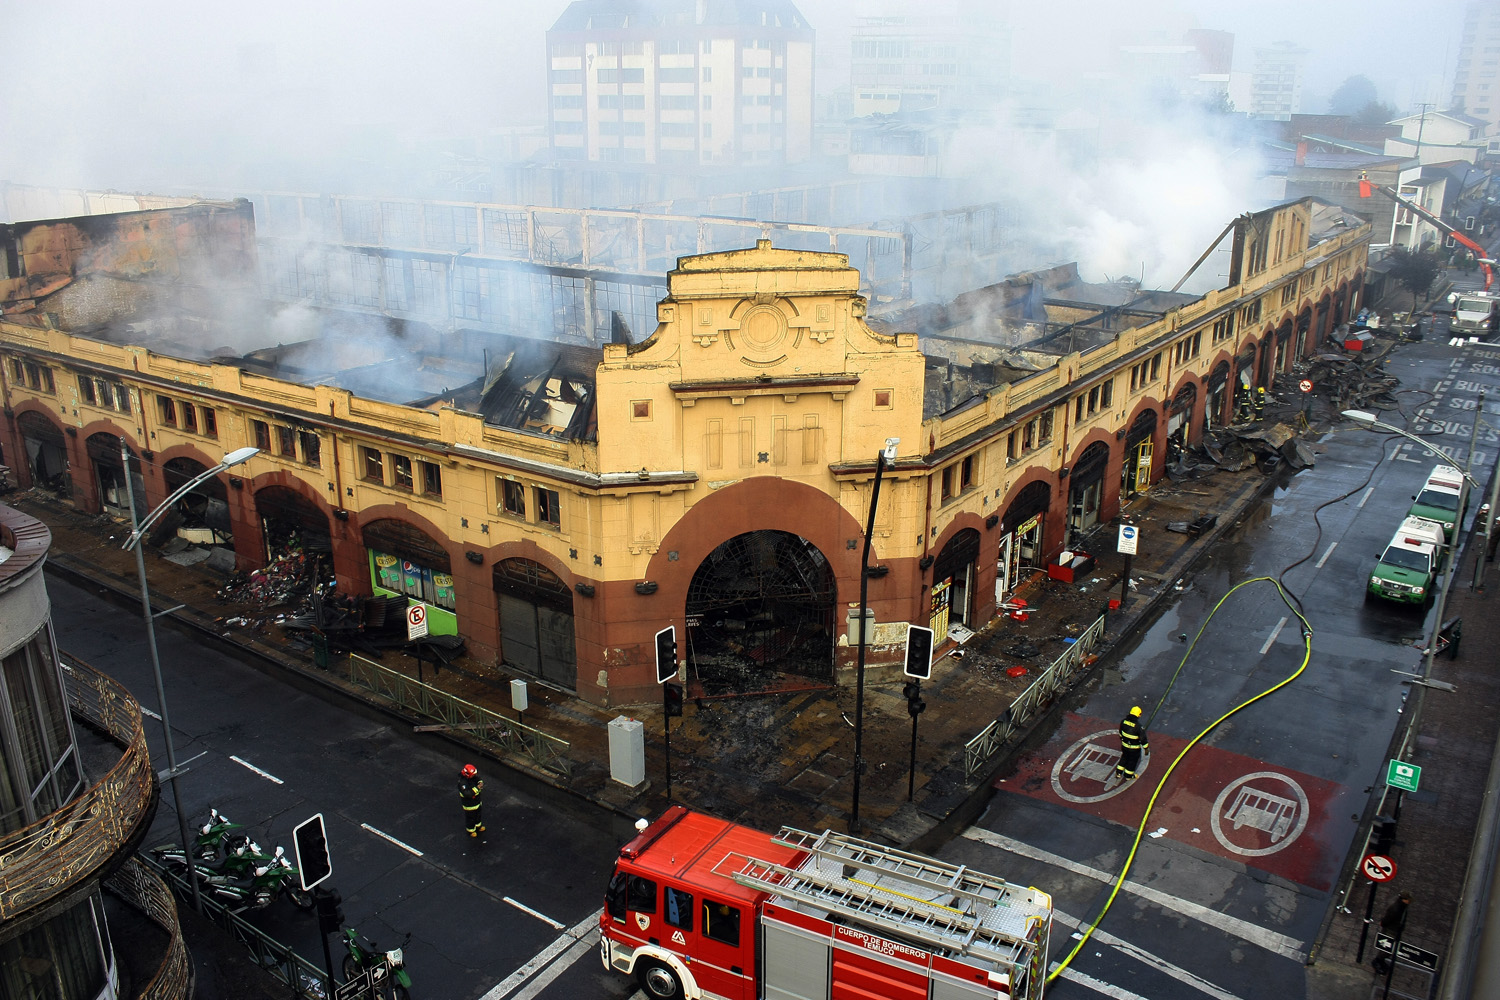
x: 389, y: 967
x: 259, y: 887
x: 216, y: 836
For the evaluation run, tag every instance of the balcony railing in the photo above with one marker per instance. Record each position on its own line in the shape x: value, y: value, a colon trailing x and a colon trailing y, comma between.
x: 143, y: 889
x: 45, y: 859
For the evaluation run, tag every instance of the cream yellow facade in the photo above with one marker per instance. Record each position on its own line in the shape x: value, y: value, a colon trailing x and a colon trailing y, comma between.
x: 726, y: 488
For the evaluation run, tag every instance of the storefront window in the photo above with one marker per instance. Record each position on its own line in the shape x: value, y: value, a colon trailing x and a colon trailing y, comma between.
x: 406, y: 577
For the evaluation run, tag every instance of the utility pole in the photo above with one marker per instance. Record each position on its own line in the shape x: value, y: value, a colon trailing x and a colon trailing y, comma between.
x: 1421, y: 125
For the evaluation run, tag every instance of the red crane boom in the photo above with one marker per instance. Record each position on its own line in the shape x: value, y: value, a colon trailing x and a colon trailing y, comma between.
x: 1368, y: 187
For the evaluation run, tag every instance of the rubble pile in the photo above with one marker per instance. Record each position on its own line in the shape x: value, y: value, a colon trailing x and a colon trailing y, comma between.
x: 286, y: 579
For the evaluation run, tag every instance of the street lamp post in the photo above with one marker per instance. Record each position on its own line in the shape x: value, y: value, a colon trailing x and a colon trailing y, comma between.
x: 1368, y: 420
x: 137, y: 532
x: 887, y: 454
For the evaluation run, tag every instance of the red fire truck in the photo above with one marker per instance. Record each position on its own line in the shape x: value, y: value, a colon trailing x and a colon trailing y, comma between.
x: 701, y: 908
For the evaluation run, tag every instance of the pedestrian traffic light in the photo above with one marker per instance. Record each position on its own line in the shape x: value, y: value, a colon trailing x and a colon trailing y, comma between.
x: 666, y: 654
x: 311, y: 843
x: 918, y: 652
x: 671, y: 699
x: 915, y: 706
x: 330, y: 910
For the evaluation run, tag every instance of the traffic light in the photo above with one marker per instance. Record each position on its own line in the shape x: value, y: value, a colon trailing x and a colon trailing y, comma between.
x: 666, y: 654
x: 1383, y: 835
x: 915, y: 706
x: 330, y: 910
x: 311, y: 843
x: 918, y: 652
x: 671, y: 699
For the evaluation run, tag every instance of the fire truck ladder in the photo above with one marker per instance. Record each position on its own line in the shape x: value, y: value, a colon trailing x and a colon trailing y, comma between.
x: 945, y: 907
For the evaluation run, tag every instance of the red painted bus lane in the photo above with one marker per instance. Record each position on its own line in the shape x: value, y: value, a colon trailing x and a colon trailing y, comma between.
x: 1281, y: 821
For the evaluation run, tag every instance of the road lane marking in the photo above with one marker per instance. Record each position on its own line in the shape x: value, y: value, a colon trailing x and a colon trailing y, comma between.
x: 147, y: 711
x: 540, y: 916
x: 1098, y: 985
x: 1365, y: 497
x: 1147, y: 958
x: 385, y: 836
x: 569, y: 939
x: 1326, y: 554
x: 264, y: 774
x: 1274, y: 633
x: 544, y: 979
x: 1262, y: 937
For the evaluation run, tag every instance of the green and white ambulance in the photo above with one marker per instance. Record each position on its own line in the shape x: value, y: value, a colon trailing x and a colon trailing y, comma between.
x: 1407, y: 570
x: 1438, y: 499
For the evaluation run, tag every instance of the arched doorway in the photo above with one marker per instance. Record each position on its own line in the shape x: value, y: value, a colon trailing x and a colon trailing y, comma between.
x: 1180, y: 420
x: 953, y: 583
x: 406, y: 561
x: 1135, y: 470
x: 1218, y: 393
x: 1304, y: 332
x: 294, y: 528
x: 46, y: 452
x: 204, y: 512
x: 109, y: 477
x: 761, y: 606
x: 536, y: 622
x: 1086, y: 494
x: 1022, y: 528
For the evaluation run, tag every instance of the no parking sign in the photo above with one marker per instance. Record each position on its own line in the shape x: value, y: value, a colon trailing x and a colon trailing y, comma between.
x: 416, y: 621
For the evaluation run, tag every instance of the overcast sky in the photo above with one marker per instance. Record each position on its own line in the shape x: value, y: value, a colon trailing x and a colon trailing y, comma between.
x: 126, y: 94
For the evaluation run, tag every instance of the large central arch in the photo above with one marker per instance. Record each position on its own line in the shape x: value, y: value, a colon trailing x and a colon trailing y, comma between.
x: 760, y: 605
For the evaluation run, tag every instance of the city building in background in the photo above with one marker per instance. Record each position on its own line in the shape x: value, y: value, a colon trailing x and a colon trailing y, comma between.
x: 681, y: 83
x: 1476, y: 74
x: 1276, y: 81
x: 80, y: 917
x: 948, y: 56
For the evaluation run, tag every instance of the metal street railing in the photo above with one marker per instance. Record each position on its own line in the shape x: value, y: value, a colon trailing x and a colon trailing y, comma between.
x: 143, y: 889
x: 305, y: 979
x: 514, y: 739
x: 1056, y: 679
x: 47, y: 858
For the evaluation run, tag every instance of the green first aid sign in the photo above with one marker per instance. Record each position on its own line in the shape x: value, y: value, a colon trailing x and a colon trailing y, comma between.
x: 1403, y: 776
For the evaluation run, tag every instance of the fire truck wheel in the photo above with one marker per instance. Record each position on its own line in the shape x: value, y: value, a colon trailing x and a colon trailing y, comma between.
x: 658, y: 981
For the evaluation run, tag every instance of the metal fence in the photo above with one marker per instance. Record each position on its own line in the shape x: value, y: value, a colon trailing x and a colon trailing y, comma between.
x: 49, y: 857
x: 1053, y: 681
x: 305, y: 979
x: 511, y: 738
x: 143, y: 889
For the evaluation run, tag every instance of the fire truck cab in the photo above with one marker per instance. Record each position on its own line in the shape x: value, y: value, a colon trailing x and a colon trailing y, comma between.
x: 699, y: 907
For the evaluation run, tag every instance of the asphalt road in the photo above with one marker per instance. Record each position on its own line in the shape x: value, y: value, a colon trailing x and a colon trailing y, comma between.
x: 273, y: 755
x: 1245, y: 844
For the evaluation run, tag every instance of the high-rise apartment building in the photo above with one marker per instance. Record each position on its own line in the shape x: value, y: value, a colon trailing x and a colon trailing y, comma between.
x: 1476, y: 85
x: 681, y: 82
x: 952, y: 57
x: 1276, y: 81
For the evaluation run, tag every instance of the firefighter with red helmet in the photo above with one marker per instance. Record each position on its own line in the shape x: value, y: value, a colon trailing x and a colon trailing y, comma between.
x: 469, y: 787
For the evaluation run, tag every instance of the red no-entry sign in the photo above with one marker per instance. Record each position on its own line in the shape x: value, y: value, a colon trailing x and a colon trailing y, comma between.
x: 1378, y: 868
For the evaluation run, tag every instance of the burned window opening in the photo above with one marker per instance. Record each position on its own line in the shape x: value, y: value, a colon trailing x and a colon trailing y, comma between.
x: 761, y: 607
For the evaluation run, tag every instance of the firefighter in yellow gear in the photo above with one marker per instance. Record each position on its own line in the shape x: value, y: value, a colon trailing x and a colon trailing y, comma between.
x: 1133, y: 743
x: 469, y: 787
x: 1260, y: 401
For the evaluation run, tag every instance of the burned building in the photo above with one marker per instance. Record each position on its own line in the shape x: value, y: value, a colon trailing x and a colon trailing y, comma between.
x: 557, y: 505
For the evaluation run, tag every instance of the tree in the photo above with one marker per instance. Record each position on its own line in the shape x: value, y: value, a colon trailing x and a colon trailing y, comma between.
x: 1414, y: 271
x: 1375, y: 113
x: 1352, y: 95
